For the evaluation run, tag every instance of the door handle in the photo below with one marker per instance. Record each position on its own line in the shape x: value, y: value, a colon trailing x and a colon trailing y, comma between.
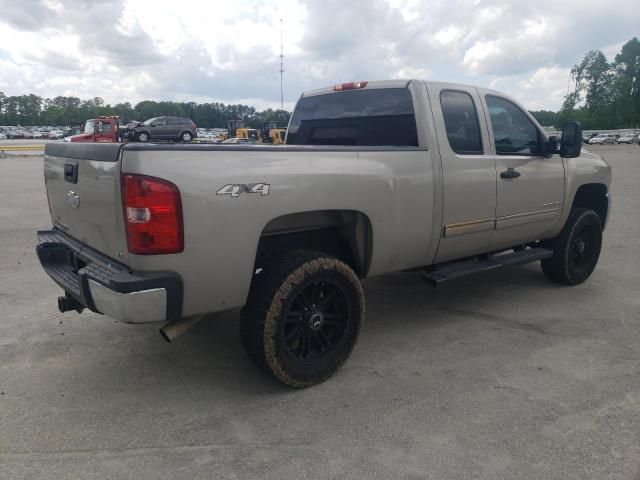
x: 510, y: 173
x: 71, y: 172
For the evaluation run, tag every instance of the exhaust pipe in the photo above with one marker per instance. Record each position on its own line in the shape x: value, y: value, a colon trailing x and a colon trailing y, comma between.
x: 173, y: 330
x: 68, y: 303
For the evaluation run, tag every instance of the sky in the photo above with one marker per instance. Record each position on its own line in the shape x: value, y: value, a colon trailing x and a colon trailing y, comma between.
x: 228, y: 51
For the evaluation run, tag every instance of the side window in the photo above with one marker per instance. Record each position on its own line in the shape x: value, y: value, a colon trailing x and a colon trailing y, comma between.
x: 461, y: 122
x: 513, y: 132
x: 160, y: 122
x: 106, y: 127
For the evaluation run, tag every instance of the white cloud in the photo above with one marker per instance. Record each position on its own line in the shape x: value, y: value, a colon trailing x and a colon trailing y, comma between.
x: 130, y: 50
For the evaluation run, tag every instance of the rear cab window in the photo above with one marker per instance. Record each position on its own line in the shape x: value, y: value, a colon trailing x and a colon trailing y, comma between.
x: 461, y: 122
x: 374, y: 117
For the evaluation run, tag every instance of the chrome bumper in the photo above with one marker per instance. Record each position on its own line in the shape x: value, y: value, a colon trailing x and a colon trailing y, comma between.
x: 105, y: 286
x: 144, y: 306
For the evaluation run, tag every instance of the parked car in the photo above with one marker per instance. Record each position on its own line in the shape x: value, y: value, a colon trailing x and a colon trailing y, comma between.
x: 3, y: 136
x: 165, y: 128
x: 15, y: 134
x: 602, y: 139
x: 237, y: 140
x: 627, y: 138
x: 288, y: 233
x: 56, y: 134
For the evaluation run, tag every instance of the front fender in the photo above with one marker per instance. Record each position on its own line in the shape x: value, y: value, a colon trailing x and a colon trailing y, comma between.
x: 586, y: 169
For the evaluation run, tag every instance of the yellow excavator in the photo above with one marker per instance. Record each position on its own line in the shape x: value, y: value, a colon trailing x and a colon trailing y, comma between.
x: 269, y: 132
x: 272, y: 133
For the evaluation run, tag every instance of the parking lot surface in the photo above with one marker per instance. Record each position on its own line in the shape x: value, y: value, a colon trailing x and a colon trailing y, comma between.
x: 500, y: 376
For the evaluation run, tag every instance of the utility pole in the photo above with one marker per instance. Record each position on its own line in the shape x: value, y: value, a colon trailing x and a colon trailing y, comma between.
x: 281, y: 68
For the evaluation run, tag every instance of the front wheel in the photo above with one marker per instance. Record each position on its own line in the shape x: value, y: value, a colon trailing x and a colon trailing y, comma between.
x: 186, y: 137
x: 143, y: 137
x: 303, y: 317
x: 576, y: 249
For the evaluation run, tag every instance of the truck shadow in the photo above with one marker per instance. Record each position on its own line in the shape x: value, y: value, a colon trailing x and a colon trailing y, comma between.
x: 399, y: 303
x: 210, y: 360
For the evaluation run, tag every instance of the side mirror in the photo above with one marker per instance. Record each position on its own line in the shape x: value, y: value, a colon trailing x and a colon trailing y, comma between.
x: 571, y: 143
x: 153, y: 125
x: 551, y: 146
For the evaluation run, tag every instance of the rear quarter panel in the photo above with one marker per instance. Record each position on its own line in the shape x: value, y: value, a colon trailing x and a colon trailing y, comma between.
x: 394, y: 189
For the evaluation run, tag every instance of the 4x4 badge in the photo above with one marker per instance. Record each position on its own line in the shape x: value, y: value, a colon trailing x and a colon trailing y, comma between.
x: 236, y: 189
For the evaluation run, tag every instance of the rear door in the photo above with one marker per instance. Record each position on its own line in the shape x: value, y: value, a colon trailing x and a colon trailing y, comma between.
x: 530, y: 187
x: 174, y: 126
x: 83, y: 190
x: 469, y: 172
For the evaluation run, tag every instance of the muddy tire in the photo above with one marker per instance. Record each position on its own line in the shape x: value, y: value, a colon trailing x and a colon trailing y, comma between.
x: 303, y: 317
x: 576, y: 249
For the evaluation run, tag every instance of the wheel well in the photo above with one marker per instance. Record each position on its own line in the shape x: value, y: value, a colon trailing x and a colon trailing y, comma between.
x: 345, y: 234
x: 593, y: 196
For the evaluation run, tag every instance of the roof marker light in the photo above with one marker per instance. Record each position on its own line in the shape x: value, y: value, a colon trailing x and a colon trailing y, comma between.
x: 349, y: 86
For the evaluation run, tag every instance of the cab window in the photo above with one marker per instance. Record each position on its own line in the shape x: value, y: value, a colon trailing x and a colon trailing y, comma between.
x: 373, y: 117
x: 89, y: 126
x: 461, y: 122
x: 513, y: 132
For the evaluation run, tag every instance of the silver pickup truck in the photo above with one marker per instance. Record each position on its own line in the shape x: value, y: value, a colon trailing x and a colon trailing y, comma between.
x: 376, y: 177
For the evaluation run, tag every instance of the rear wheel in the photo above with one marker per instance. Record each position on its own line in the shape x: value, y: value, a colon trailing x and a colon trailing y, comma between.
x: 303, y: 317
x: 576, y: 249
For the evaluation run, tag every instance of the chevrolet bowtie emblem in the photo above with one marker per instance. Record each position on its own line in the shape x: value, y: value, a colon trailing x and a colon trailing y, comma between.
x: 73, y: 198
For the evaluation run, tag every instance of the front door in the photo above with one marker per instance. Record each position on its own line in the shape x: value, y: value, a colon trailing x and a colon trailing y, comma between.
x: 468, y: 171
x: 530, y: 187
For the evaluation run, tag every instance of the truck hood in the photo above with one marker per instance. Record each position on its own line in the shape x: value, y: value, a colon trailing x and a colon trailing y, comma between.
x: 82, y: 137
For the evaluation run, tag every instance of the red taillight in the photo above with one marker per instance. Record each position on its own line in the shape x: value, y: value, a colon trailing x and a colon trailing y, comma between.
x: 349, y: 86
x: 152, y: 215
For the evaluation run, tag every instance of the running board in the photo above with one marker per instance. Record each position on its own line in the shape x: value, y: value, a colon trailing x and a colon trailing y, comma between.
x: 463, y: 268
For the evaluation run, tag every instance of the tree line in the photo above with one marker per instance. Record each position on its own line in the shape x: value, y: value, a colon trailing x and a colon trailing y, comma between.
x: 605, y: 95
x: 33, y: 110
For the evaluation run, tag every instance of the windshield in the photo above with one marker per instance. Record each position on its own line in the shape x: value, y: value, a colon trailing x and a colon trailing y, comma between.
x: 150, y: 121
x: 372, y: 117
x: 88, y: 127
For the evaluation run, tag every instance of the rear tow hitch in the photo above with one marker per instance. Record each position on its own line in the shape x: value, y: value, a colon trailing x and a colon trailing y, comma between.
x: 67, y: 303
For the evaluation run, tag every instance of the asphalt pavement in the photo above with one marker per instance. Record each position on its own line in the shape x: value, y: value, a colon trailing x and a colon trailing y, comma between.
x: 499, y: 376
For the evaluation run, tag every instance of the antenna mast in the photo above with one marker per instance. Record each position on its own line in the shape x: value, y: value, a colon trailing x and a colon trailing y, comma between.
x: 281, y: 68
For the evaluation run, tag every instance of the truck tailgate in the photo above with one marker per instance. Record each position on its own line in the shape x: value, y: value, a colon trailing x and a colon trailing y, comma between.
x: 83, y: 190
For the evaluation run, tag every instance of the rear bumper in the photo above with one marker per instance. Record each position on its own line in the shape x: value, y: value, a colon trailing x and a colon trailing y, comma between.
x: 106, y: 286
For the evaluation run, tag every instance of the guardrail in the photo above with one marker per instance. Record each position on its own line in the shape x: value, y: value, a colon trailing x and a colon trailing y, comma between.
x: 19, y: 148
